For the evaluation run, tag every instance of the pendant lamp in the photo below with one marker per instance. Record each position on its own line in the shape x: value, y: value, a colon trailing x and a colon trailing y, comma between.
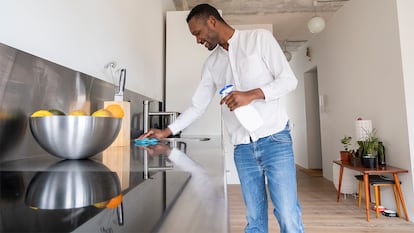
x: 316, y: 24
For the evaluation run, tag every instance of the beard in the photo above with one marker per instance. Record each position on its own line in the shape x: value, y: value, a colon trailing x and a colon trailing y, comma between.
x: 211, y: 47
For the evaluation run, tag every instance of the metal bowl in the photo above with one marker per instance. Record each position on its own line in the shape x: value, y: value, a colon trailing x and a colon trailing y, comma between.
x: 74, y: 137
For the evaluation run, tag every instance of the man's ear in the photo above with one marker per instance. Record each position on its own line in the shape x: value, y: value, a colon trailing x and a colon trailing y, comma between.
x: 212, y: 21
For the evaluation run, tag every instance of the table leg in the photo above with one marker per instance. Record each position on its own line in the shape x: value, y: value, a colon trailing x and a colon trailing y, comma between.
x: 341, y: 172
x: 367, y: 197
x: 400, y: 194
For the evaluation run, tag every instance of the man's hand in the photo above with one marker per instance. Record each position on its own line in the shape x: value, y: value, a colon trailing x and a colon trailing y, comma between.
x: 240, y: 98
x: 156, y: 133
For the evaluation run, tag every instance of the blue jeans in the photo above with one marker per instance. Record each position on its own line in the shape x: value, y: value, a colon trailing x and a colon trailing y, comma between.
x: 270, y: 157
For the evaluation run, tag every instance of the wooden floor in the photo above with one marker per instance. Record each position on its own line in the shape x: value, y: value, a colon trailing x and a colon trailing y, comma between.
x: 321, y: 212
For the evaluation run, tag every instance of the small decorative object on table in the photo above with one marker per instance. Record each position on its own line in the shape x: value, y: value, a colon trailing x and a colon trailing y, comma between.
x: 346, y: 153
x: 381, y: 154
x: 355, y: 158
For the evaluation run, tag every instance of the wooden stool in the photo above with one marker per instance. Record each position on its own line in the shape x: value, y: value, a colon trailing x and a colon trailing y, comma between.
x: 377, y: 181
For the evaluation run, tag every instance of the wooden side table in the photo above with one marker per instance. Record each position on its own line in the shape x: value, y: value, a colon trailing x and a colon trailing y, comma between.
x: 376, y: 171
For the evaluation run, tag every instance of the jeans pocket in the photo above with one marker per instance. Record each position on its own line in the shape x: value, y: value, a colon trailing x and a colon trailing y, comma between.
x: 281, y: 137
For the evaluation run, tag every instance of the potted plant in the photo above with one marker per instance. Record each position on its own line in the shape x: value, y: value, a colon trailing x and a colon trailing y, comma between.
x: 368, y: 150
x: 346, y: 153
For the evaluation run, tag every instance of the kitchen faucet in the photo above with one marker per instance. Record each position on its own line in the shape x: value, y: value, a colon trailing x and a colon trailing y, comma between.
x: 147, y: 114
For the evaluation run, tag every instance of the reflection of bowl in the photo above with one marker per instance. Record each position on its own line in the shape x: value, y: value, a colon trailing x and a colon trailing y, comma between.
x: 72, y: 184
x: 75, y: 137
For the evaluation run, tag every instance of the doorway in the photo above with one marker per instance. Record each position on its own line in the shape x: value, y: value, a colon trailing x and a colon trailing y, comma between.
x: 312, y: 109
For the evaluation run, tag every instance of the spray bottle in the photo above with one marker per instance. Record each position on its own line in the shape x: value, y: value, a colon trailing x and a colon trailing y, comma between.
x: 247, y: 115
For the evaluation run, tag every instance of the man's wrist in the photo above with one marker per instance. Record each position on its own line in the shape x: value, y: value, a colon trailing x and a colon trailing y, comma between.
x: 256, y: 94
x: 167, y: 132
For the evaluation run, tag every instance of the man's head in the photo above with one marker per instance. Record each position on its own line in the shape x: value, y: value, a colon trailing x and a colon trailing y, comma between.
x: 206, y: 24
x: 204, y: 11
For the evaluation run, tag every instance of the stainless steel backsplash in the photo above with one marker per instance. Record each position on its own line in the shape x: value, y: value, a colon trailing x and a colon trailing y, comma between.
x: 29, y: 83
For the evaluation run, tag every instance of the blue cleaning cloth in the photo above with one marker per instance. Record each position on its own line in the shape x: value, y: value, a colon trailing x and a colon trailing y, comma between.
x: 146, y: 141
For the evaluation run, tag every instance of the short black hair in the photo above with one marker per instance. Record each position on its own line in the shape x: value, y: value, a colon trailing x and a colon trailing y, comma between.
x: 204, y: 11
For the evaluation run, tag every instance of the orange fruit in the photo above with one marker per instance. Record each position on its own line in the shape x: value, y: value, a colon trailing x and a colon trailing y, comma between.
x: 102, y: 113
x: 115, y: 202
x: 116, y: 110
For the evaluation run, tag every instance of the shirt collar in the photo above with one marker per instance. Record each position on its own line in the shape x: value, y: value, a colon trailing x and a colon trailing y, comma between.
x: 232, y: 39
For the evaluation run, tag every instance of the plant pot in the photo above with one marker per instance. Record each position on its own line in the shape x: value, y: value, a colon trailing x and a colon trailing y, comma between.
x: 345, y: 157
x: 370, y: 161
x: 356, y: 162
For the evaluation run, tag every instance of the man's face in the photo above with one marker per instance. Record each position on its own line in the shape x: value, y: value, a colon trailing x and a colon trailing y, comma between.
x: 204, y: 31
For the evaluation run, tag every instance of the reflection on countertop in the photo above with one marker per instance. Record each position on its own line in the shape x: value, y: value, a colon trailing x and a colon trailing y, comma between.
x: 202, y: 206
x: 147, y: 201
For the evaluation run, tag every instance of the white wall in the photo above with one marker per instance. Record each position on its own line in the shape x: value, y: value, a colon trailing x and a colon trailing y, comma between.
x: 405, y: 20
x: 184, y: 61
x: 86, y: 35
x: 359, y: 63
x: 295, y: 106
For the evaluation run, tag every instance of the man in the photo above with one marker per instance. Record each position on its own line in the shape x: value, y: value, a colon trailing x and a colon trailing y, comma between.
x: 253, y: 61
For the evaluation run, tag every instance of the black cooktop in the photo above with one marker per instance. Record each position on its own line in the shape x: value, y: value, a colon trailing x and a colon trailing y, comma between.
x: 34, y: 199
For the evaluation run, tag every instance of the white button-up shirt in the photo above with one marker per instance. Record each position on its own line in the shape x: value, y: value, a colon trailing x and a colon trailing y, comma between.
x: 254, y: 60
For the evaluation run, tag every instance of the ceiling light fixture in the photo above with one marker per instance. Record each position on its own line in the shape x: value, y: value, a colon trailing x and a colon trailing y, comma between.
x: 316, y: 24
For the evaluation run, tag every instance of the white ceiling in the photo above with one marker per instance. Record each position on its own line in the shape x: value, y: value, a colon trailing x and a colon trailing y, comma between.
x: 288, y: 17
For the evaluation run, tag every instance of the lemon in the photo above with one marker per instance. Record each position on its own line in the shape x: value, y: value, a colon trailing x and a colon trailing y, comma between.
x: 77, y: 113
x: 101, y: 204
x: 102, y: 113
x: 42, y: 113
x: 33, y: 208
x: 116, y: 110
x: 56, y: 112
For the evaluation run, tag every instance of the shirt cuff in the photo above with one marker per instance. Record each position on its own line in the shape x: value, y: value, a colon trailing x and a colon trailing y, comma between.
x: 174, y: 129
x: 266, y: 93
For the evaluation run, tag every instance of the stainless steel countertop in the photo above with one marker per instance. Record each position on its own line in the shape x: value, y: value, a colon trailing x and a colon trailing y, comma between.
x: 202, y: 206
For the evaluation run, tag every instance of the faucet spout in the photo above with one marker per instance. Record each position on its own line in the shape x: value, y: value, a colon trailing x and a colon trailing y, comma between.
x: 146, y: 115
x: 172, y: 116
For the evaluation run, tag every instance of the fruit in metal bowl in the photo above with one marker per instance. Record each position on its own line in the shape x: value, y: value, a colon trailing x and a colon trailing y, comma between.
x: 116, y: 110
x: 77, y: 113
x: 41, y: 113
x: 56, y: 112
x: 102, y: 113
